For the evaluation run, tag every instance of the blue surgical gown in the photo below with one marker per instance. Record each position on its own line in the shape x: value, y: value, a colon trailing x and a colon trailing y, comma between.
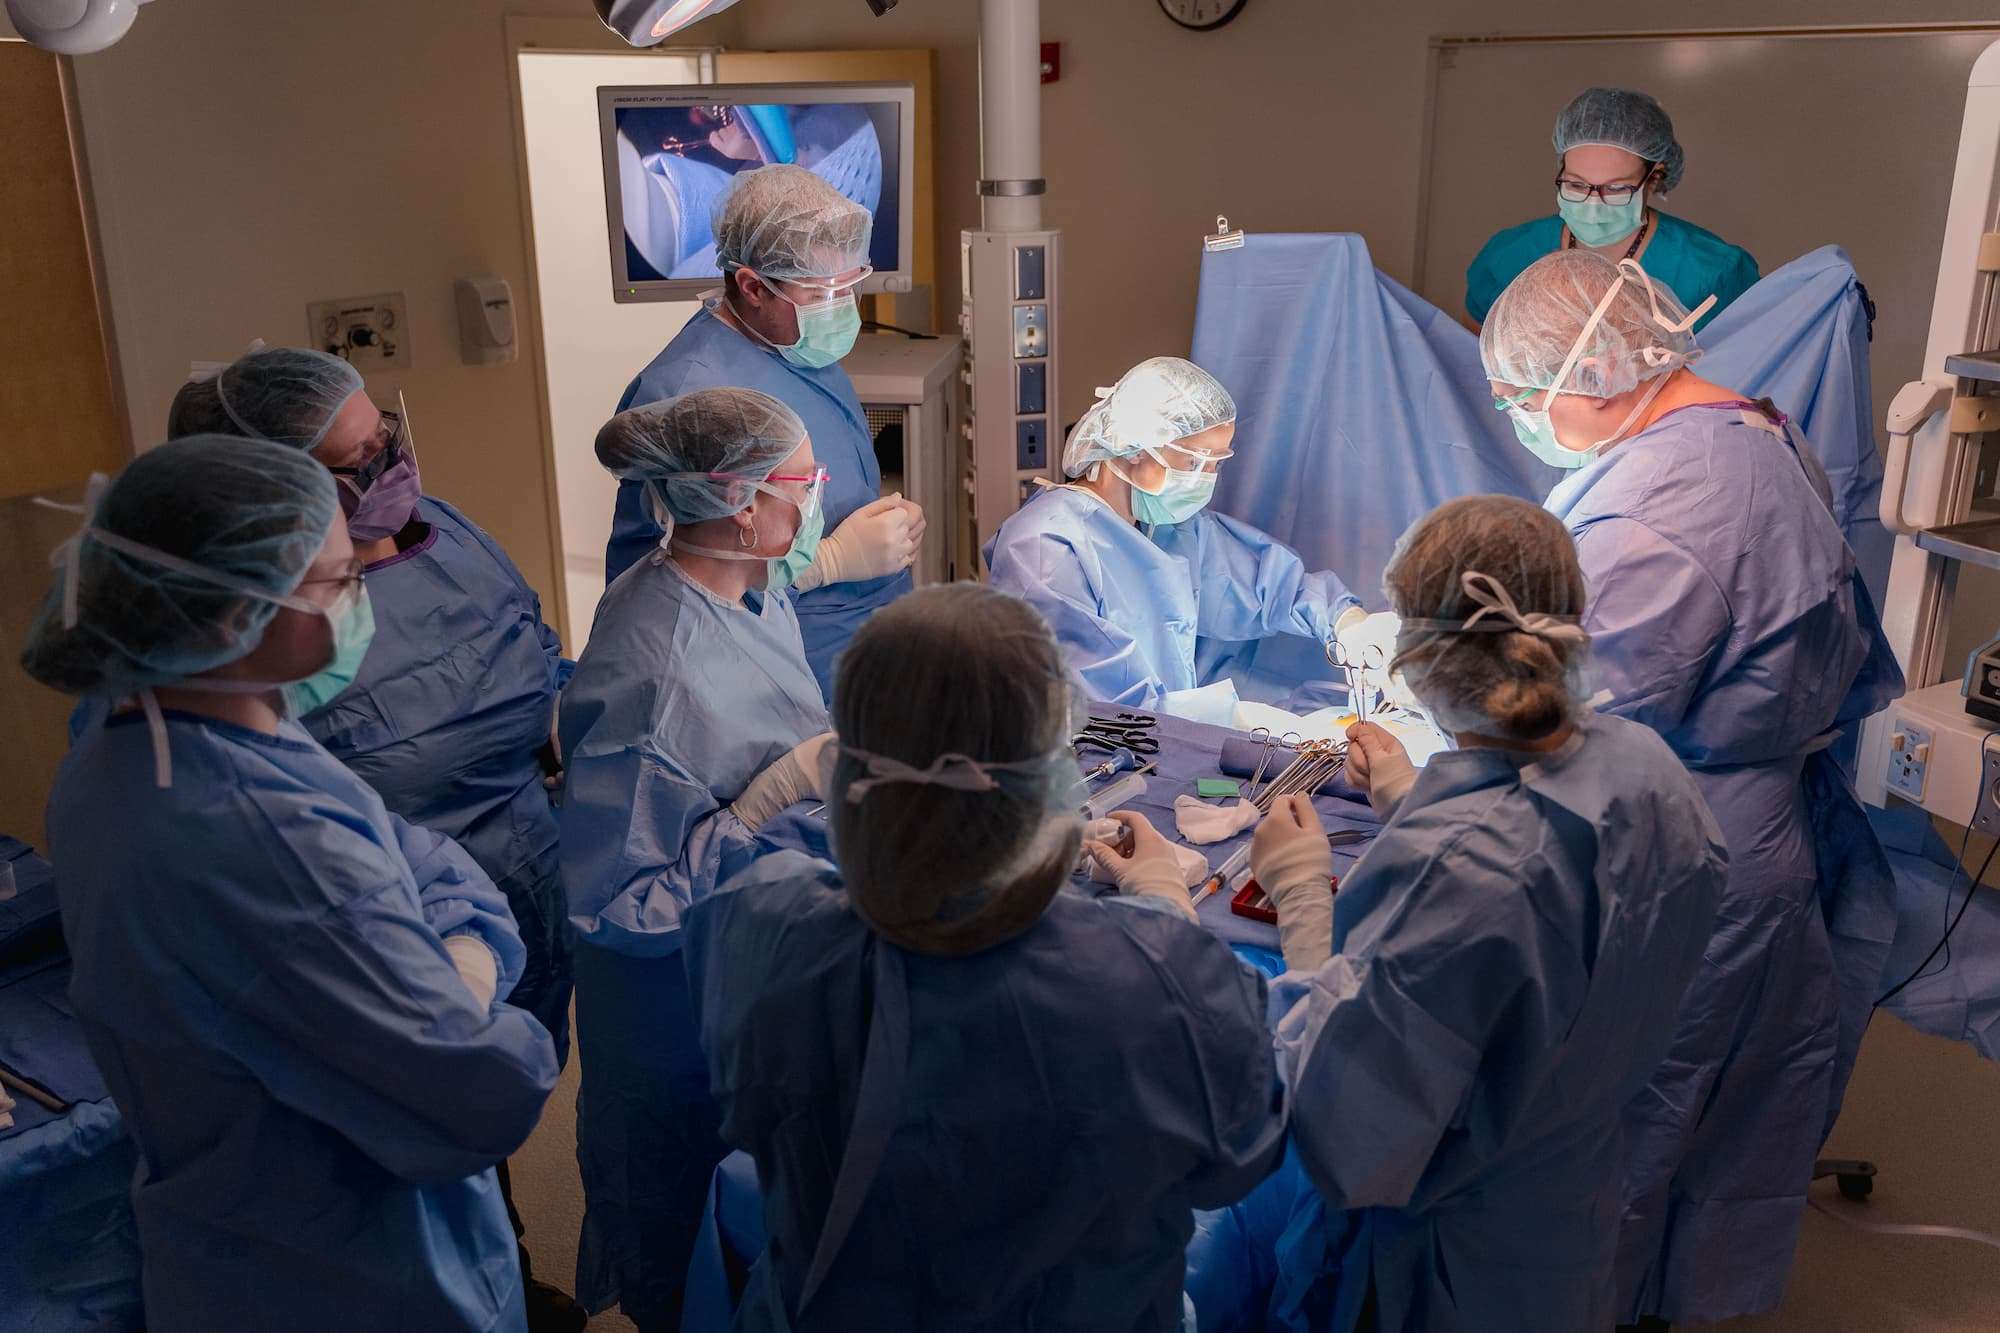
x: 1069, y: 1097
x: 708, y: 354
x: 445, y: 721
x: 1726, y: 613
x: 678, y: 702
x: 1130, y: 609
x: 1510, y: 955
x: 1695, y: 264
x: 316, y: 1100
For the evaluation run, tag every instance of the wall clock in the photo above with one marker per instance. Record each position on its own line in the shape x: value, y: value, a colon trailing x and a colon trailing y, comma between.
x: 1202, y: 15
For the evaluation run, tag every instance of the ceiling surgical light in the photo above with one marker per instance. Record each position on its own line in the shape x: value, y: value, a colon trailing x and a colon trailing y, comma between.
x: 73, y: 27
x: 650, y: 22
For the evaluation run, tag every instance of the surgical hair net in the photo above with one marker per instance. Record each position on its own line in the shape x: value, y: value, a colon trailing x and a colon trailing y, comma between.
x: 1491, y: 598
x: 1158, y: 401
x: 1622, y: 118
x: 673, y: 445
x: 785, y: 222
x: 953, y: 793
x: 287, y: 395
x: 1530, y: 331
x: 252, y: 512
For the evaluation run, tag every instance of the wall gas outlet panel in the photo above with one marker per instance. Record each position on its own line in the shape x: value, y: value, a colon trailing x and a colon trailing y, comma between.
x: 1909, y: 762
x: 369, y: 331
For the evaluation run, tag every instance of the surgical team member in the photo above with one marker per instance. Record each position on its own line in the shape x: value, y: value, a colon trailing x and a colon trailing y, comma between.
x: 450, y: 715
x: 291, y: 992
x: 1727, y: 614
x: 1025, y: 1091
x: 1131, y: 570
x: 1616, y: 155
x: 792, y: 249
x: 691, y: 720
x: 1463, y: 1026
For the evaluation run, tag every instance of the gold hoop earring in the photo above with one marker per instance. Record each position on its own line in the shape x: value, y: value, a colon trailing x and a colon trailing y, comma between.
x: 746, y: 536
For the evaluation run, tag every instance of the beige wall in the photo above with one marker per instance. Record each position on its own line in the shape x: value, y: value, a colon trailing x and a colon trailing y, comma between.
x: 250, y: 157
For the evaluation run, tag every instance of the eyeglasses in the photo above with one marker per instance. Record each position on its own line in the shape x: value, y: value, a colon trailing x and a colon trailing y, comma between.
x: 1577, y: 191
x: 1201, y: 460
x: 350, y: 579
x: 814, y: 482
x: 818, y: 292
x: 1518, y: 400
x: 392, y: 441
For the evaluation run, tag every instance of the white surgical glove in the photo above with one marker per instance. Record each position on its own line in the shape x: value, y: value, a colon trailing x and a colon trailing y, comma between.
x: 1378, y: 764
x: 1201, y: 823
x: 791, y: 778
x: 876, y: 539
x: 477, y: 967
x: 1294, y: 866
x: 1151, y: 870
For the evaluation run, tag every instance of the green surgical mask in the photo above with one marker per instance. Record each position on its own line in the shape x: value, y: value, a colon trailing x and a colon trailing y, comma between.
x: 353, y: 630
x: 1594, y: 222
x: 785, y: 570
x: 1184, y: 495
x: 827, y: 331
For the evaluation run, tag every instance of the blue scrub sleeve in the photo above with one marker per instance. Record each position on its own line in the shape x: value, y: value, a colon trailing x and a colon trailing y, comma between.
x: 559, y: 666
x: 359, y: 1020
x: 641, y: 843
x: 1104, y: 655
x: 1656, y: 618
x: 1376, y: 1080
x: 1251, y: 585
x: 461, y: 899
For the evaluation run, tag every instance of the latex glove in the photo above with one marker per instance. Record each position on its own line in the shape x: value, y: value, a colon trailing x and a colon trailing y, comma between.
x: 1294, y: 866
x: 1378, y: 764
x: 1193, y: 865
x: 477, y: 967
x: 793, y: 777
x: 1201, y: 823
x: 876, y: 539
x: 1150, y: 870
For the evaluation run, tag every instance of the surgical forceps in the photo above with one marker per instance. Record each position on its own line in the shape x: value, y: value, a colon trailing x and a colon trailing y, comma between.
x: 1371, y: 658
x: 1271, y: 744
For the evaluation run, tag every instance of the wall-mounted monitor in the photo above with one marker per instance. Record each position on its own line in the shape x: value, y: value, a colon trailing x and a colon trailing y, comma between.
x: 671, y: 152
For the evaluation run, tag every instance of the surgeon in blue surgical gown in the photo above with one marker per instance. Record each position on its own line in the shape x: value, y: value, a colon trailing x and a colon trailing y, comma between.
x: 791, y: 251
x: 691, y: 720
x: 1728, y: 615
x: 1024, y: 1090
x: 292, y: 993
x: 1464, y: 1024
x: 1130, y: 567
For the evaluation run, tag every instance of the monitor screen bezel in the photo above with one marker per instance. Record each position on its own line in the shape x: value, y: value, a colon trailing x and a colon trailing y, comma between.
x: 625, y: 291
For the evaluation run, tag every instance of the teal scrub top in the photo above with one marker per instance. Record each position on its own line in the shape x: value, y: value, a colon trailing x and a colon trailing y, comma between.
x: 1694, y: 263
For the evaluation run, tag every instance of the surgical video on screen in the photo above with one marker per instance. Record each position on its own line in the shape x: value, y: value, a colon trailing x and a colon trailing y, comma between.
x: 675, y: 164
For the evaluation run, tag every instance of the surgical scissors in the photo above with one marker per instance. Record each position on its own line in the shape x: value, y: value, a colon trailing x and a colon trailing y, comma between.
x: 1126, y: 731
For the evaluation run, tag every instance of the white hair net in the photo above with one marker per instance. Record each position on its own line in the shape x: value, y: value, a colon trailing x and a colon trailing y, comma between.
x: 1533, y: 329
x: 1491, y: 599
x: 1622, y: 118
x: 784, y: 222
x: 287, y: 395
x: 673, y: 446
x: 1155, y: 403
x: 233, y: 515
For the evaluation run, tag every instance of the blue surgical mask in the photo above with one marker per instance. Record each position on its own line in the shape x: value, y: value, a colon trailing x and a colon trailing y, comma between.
x: 1594, y: 222
x: 353, y: 621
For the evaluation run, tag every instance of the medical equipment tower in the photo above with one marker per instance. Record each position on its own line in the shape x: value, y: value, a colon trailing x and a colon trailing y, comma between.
x: 1010, y: 270
x: 1941, y: 497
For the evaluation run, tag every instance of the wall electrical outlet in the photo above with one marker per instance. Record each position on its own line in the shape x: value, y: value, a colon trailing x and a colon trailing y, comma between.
x: 370, y: 331
x: 1909, y: 761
